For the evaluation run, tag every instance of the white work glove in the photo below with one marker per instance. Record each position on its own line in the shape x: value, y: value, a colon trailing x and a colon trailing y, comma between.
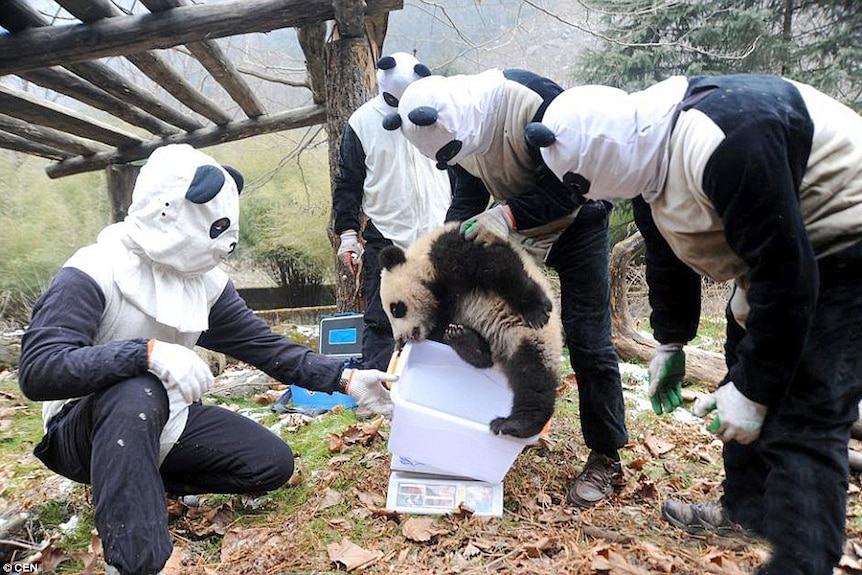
x: 350, y: 250
x: 369, y: 388
x: 738, y: 419
x: 180, y: 369
x: 491, y: 225
x: 666, y: 371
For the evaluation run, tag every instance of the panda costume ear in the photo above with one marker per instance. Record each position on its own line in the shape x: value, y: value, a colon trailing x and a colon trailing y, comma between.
x: 392, y: 256
x: 391, y: 121
x: 422, y: 70
x: 539, y: 135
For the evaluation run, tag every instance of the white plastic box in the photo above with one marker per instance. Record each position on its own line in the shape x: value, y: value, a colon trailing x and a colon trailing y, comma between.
x: 442, y: 408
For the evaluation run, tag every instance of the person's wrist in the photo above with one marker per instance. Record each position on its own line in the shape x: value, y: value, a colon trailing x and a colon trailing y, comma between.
x: 345, y: 379
x: 510, y: 219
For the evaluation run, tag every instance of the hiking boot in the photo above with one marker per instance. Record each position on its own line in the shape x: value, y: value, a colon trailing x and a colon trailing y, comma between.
x: 699, y: 518
x: 596, y: 482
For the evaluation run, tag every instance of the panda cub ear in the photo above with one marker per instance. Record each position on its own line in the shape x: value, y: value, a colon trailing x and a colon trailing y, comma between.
x: 392, y: 256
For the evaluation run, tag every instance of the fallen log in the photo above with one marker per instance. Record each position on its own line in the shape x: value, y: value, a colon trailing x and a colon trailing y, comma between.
x: 633, y: 345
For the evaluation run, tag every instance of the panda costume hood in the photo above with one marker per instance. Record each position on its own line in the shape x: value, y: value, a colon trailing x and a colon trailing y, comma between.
x: 395, y: 73
x: 617, y: 142
x: 450, y: 117
x: 182, y: 223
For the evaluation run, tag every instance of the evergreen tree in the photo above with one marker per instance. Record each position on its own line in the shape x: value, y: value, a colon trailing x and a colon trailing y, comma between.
x: 645, y: 41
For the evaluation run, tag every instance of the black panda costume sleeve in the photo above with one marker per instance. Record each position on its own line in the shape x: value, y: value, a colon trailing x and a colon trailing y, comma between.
x: 753, y: 179
x: 674, y: 288
x: 237, y: 332
x: 469, y: 195
x: 349, y: 182
x: 58, y: 357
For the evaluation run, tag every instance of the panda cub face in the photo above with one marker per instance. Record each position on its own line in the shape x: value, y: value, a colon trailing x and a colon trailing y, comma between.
x: 407, y: 300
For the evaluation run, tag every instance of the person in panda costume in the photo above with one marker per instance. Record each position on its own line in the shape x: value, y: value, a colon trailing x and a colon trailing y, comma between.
x: 473, y: 126
x: 755, y: 179
x: 399, y: 190
x: 109, y: 352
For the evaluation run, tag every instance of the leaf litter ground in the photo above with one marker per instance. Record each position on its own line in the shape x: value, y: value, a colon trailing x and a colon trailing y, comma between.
x: 332, y: 517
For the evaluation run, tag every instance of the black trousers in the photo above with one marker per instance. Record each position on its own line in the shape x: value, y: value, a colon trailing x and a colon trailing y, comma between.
x: 377, y: 342
x: 111, y: 440
x: 790, y: 485
x: 580, y: 257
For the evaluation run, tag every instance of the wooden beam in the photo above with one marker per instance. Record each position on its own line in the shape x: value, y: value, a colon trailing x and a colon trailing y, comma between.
x: 63, y: 82
x: 49, y: 137
x: 18, y: 144
x: 58, y: 45
x: 150, y: 63
x: 216, y: 62
x: 289, y: 120
x: 26, y: 107
x: 17, y: 15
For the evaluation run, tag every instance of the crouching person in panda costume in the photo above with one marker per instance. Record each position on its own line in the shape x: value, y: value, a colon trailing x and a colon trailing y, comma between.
x: 491, y: 304
x: 109, y: 351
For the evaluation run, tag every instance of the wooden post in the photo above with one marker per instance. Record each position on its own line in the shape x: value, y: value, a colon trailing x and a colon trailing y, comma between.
x: 350, y: 82
x: 121, y: 181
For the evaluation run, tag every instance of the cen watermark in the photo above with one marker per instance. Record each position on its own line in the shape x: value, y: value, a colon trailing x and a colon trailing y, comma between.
x: 20, y: 568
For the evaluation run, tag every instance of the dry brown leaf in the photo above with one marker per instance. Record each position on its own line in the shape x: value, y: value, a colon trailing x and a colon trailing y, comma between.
x: 48, y: 557
x: 471, y: 551
x: 296, y: 478
x: 655, y: 445
x: 659, y: 560
x: 335, y: 443
x: 421, y: 529
x: 351, y: 555
x: 214, y: 521
x: 330, y: 497
x: 370, y: 499
x: 614, y: 563
x: 237, y: 540
x: 174, y: 566
x: 537, y: 548
x: 557, y: 515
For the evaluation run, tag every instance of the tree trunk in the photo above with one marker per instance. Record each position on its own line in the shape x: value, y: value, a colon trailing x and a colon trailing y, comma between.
x: 633, y: 345
x: 350, y: 82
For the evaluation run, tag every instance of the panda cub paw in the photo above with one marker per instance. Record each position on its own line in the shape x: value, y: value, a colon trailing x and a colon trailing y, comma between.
x: 516, y: 426
x: 536, y: 314
x: 469, y: 345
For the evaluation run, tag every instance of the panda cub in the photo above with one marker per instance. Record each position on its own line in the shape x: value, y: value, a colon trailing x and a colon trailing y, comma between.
x: 491, y: 303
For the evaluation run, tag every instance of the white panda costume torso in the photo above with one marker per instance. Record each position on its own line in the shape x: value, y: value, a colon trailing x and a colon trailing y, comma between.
x: 491, y: 303
x: 157, y: 268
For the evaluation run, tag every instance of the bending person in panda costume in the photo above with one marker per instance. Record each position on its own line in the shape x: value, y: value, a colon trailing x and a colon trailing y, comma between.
x: 473, y: 126
x: 754, y: 179
x: 399, y: 190
x: 109, y: 351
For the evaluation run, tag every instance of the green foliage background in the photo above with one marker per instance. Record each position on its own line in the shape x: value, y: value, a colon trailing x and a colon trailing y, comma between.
x: 285, y: 204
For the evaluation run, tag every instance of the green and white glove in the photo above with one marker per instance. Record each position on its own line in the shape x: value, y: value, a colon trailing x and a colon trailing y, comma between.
x: 666, y: 370
x: 738, y: 419
x: 369, y: 388
x: 492, y: 225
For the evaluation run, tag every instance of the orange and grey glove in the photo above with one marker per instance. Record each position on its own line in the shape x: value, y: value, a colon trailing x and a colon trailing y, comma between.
x: 369, y: 388
x: 666, y: 370
x: 180, y: 369
x: 492, y: 225
x: 350, y: 250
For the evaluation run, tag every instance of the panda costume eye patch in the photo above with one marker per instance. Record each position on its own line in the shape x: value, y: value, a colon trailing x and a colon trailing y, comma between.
x: 445, y: 154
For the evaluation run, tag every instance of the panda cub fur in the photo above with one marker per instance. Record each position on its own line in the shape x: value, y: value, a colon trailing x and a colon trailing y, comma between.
x: 491, y: 303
